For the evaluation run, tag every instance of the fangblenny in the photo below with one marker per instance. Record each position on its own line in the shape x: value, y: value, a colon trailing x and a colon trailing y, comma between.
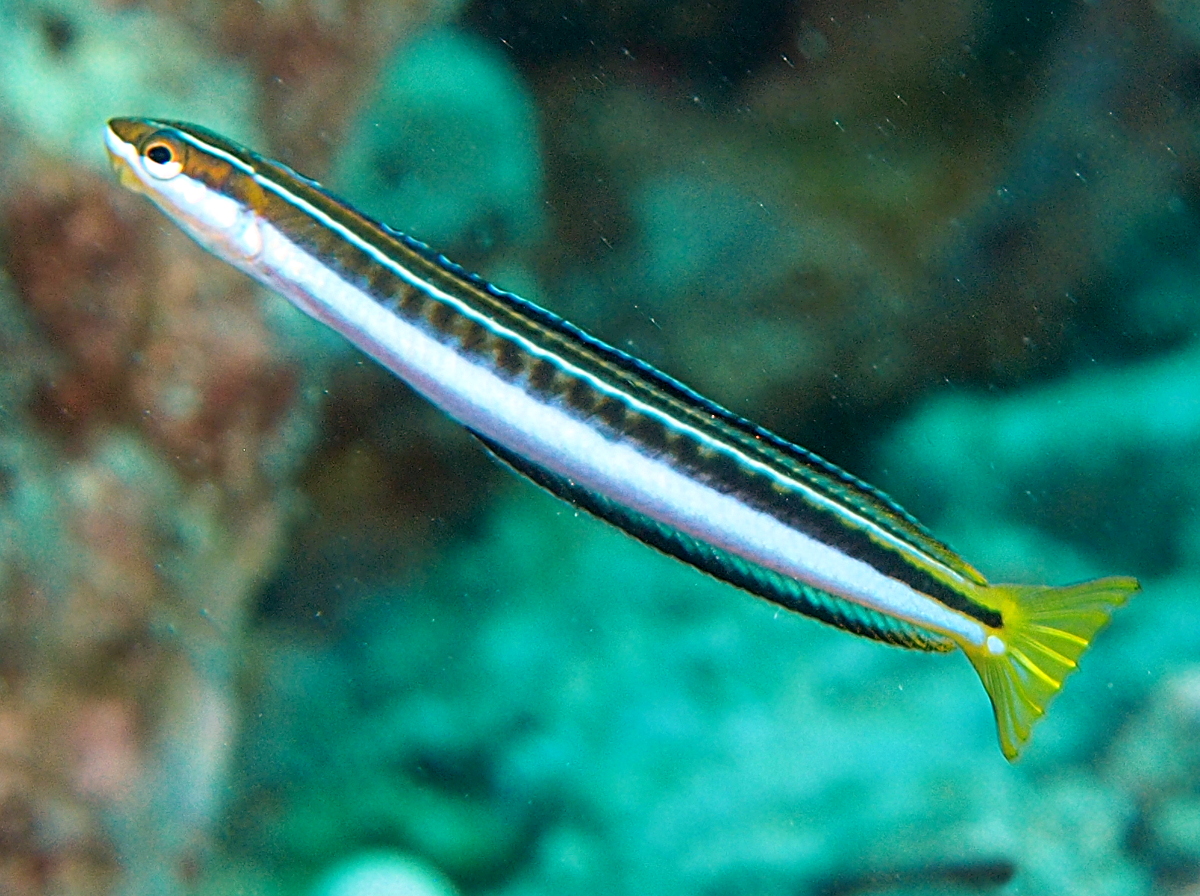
x: 613, y: 435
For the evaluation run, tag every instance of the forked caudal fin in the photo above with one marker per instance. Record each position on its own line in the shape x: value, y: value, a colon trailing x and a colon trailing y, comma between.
x: 1045, y: 631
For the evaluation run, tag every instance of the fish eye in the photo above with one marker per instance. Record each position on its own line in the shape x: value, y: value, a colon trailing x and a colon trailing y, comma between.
x: 162, y: 160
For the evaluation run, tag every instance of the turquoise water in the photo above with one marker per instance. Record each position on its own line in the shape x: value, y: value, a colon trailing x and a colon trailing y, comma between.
x: 271, y: 625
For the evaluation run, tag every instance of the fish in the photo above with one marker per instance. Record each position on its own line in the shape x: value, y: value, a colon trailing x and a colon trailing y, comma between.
x: 613, y: 435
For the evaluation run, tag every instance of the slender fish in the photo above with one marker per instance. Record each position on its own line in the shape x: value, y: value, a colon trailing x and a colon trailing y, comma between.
x: 613, y: 435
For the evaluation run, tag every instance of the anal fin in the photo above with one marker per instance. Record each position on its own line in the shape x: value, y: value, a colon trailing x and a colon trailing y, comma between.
x: 759, y: 580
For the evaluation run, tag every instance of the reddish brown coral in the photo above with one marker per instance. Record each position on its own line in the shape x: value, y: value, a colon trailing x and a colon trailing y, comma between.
x: 141, y: 457
x: 73, y: 261
x: 314, y: 65
x: 152, y: 334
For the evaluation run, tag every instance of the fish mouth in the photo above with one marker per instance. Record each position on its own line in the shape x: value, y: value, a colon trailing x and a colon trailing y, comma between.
x: 122, y: 155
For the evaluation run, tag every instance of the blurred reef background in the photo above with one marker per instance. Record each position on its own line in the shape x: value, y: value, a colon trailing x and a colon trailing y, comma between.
x: 271, y: 625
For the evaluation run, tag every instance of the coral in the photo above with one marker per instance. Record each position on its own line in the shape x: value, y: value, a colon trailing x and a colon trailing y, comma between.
x: 146, y: 450
x: 1102, y: 460
x: 1155, y: 760
x: 151, y: 427
x: 447, y: 148
x: 153, y: 423
x: 313, y: 60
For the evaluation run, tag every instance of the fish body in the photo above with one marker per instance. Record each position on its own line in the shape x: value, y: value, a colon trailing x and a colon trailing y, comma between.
x: 612, y: 434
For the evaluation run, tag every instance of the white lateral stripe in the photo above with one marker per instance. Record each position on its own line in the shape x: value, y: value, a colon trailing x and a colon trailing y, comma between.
x: 814, y: 497
x: 551, y: 437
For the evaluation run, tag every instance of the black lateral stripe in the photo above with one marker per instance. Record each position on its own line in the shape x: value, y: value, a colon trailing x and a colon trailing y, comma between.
x: 795, y: 469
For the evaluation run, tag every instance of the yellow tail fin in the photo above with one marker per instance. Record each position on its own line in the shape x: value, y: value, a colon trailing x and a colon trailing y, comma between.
x: 1045, y: 631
